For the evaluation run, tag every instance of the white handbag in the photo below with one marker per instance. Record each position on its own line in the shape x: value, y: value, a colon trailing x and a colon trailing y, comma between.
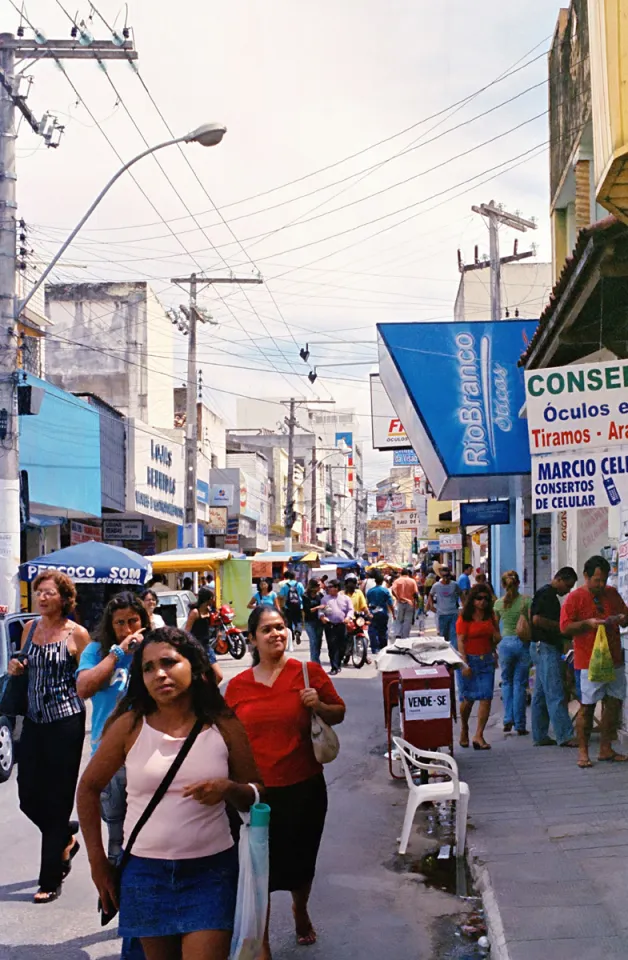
x: 324, y: 739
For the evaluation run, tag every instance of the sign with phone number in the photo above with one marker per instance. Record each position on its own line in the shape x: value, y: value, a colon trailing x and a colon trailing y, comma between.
x: 575, y: 481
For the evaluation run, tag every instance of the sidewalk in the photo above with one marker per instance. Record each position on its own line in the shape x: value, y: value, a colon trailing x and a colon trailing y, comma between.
x: 548, y: 843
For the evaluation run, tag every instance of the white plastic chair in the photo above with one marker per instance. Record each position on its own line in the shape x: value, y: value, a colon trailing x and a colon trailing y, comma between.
x: 416, y: 759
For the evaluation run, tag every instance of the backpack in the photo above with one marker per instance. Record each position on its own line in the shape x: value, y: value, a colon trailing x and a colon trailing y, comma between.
x: 293, y: 599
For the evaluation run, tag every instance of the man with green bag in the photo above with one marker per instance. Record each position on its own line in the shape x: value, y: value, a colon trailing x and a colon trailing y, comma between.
x: 592, y: 615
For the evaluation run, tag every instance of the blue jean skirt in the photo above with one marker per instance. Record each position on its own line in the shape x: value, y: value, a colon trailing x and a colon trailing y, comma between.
x: 164, y: 898
x: 479, y: 686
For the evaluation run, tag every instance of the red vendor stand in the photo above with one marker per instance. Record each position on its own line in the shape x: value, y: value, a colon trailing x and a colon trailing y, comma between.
x: 425, y: 702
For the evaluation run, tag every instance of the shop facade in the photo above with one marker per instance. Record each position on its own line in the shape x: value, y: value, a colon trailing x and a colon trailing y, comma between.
x: 154, y: 492
x: 60, y: 477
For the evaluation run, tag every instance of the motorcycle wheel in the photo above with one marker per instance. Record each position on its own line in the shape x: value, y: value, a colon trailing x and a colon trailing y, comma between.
x: 237, y: 646
x: 359, y: 652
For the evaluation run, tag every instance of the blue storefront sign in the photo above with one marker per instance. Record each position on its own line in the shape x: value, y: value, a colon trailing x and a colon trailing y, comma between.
x: 60, y: 449
x: 489, y: 513
x: 405, y: 458
x: 458, y: 391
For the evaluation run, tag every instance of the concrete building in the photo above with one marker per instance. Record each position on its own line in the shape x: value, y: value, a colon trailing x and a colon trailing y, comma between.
x: 114, y: 340
x: 525, y: 288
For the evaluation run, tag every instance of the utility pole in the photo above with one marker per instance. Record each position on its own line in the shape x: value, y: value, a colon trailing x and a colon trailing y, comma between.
x: 332, y: 516
x: 12, y: 97
x: 313, y: 517
x: 291, y: 422
x: 496, y: 216
x: 192, y: 315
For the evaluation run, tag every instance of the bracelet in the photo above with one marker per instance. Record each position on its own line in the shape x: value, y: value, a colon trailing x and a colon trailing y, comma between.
x: 118, y: 652
x: 255, y: 793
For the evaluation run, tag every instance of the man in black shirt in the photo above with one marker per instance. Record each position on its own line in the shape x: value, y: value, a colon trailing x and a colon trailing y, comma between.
x: 548, y: 702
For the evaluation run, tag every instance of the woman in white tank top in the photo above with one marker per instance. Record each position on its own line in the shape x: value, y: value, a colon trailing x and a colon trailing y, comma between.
x: 178, y: 889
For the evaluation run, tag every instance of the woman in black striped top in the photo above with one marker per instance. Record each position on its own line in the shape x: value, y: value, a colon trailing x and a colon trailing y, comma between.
x: 54, y: 727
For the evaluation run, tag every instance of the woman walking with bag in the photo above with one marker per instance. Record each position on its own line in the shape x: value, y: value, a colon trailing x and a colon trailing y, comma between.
x: 186, y: 755
x: 513, y: 611
x: 54, y: 727
x: 276, y: 705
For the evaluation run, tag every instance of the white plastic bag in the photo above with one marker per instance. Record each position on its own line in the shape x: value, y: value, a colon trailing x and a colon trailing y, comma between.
x: 252, y: 901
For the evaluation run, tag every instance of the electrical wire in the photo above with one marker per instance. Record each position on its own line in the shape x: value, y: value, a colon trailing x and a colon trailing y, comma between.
x: 160, y: 165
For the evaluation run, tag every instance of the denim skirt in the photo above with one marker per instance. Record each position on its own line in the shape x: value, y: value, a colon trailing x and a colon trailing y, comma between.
x: 164, y: 898
x: 479, y: 686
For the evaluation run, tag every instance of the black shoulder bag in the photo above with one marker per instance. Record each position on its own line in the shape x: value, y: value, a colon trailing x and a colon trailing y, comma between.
x: 105, y: 916
x: 14, y: 690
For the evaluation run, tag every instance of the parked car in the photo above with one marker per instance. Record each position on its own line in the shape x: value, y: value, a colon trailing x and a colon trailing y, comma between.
x: 174, y: 606
x: 11, y: 626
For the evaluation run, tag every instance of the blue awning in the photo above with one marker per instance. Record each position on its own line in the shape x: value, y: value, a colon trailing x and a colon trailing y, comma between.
x: 457, y: 388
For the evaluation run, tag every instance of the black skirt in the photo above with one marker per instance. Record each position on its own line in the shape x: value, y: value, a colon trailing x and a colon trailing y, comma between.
x: 297, y: 818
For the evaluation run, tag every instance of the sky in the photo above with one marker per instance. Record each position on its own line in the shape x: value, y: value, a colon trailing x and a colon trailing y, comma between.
x: 359, y: 134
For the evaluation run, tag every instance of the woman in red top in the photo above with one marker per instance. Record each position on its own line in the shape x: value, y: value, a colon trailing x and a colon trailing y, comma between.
x: 272, y: 703
x: 478, y: 635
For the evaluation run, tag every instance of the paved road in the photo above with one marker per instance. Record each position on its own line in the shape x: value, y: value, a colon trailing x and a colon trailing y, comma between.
x: 362, y: 906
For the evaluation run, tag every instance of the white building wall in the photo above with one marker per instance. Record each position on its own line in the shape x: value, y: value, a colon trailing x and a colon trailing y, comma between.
x: 113, y: 340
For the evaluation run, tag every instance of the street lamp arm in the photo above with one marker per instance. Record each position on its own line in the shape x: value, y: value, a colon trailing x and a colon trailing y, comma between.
x: 167, y: 143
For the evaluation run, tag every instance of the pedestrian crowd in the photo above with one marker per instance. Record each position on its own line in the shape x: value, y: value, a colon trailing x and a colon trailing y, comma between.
x: 172, y: 758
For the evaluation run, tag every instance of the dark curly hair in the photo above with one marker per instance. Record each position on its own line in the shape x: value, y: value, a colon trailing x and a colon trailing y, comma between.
x: 479, y: 590
x: 207, y: 702
x: 64, y: 585
x: 104, y: 633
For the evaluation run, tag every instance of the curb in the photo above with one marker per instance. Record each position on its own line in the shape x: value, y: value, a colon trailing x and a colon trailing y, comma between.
x: 495, y: 927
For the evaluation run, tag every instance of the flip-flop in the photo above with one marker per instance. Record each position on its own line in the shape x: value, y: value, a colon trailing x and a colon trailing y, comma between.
x: 47, y: 896
x: 464, y: 744
x: 585, y: 764
x: 614, y: 758
x: 66, y: 865
x: 308, y: 939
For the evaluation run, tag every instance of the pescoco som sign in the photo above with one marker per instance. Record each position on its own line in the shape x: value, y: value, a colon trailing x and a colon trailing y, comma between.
x: 458, y: 390
x: 583, y: 406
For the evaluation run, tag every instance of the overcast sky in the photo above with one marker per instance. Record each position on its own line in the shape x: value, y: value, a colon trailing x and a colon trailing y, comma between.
x: 301, y: 87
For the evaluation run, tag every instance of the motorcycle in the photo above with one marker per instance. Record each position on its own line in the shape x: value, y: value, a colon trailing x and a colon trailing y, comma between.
x: 357, y: 643
x: 224, y: 636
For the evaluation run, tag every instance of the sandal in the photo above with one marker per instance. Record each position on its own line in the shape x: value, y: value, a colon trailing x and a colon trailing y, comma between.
x: 464, y: 743
x: 47, y: 896
x: 585, y: 764
x: 66, y: 865
x: 307, y: 939
x: 614, y: 758
x: 481, y: 746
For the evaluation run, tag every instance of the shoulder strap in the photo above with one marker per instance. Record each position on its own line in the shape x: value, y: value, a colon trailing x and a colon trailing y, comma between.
x: 161, y: 790
x: 29, y: 638
x: 306, y: 675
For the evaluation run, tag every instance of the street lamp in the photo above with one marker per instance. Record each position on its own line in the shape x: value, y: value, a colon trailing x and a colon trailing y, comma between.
x: 208, y: 135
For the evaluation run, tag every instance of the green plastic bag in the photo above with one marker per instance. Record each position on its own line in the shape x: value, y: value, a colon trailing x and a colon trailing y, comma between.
x: 601, y: 666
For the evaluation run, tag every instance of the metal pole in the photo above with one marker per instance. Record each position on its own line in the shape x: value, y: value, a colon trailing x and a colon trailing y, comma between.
x: 332, y: 521
x: 9, y: 452
x: 313, y: 518
x: 191, y: 426
x: 291, y: 422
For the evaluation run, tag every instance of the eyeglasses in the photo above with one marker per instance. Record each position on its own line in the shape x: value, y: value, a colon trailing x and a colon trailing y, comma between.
x: 42, y: 594
x: 483, y: 599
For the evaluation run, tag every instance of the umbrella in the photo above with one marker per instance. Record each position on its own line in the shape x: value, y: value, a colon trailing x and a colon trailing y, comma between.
x: 91, y: 562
